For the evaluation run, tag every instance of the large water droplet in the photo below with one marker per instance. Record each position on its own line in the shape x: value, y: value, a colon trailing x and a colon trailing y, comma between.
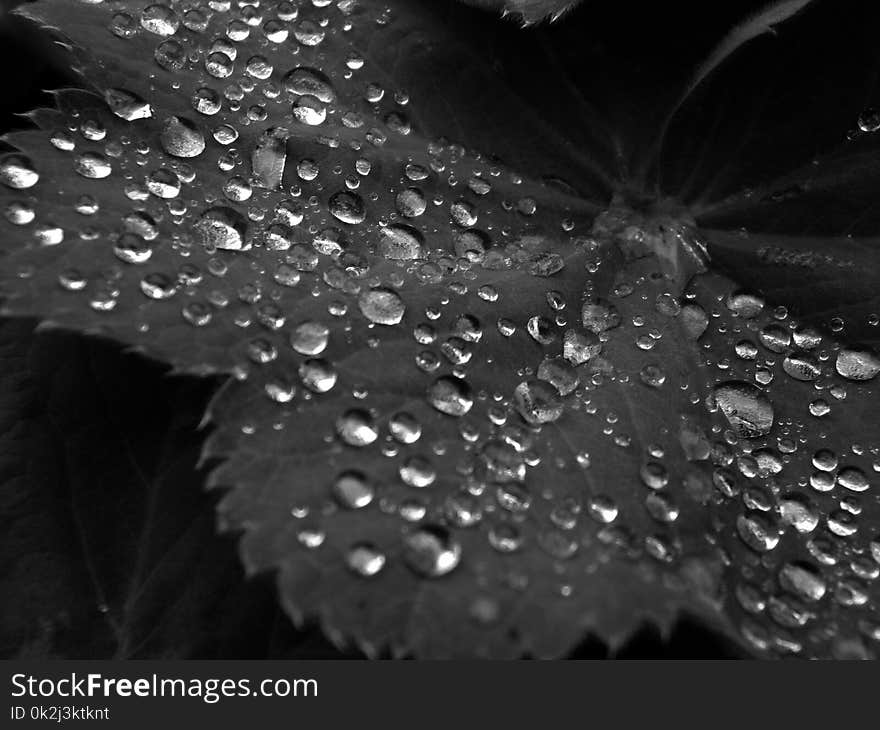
x: 181, y: 138
x: 431, y: 551
x: 803, y: 580
x: 93, y: 165
x: 758, y: 532
x: 598, y: 316
x: 400, y: 243
x: 318, y: 375
x: 365, y: 559
x: 353, y: 490
x: 347, y: 207
x: 223, y: 227
x: 126, y: 105
x: 310, y: 338
x: 357, y: 427
x: 537, y: 402
x: 857, y: 363
x: 304, y: 81
x: 132, y: 249
x: 16, y: 171
x: 451, y: 396
x: 269, y: 158
x: 382, y: 306
x: 746, y: 408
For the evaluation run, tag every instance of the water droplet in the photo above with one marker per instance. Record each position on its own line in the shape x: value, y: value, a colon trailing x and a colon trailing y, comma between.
x: 757, y: 531
x: 181, y: 138
x: 93, y: 165
x: 160, y: 19
x: 347, y: 207
x: 418, y: 472
x: 357, y: 428
x: 451, y: 396
x: 365, y: 559
x: 431, y: 551
x: 382, y: 306
x: 858, y: 363
x: 745, y: 304
x: 132, y: 249
x: 599, y: 316
x: 305, y: 81
x: 353, y: 490
x: 269, y: 158
x: 400, y: 243
x: 317, y: 375
x: 163, y: 184
x: 695, y: 320
x: 310, y: 338
x: 223, y: 227
x: 405, y: 428
x: 801, y: 367
x: 746, y: 408
x: 803, y: 580
x: 853, y: 478
x: 537, y: 402
x: 126, y: 105
x: 579, y: 347
x: 17, y: 172
x: 411, y: 203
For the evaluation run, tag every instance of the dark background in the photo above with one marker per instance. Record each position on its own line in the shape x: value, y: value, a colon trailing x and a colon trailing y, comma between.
x: 108, y: 541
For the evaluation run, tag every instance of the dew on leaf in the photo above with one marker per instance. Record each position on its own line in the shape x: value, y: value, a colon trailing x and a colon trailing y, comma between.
x: 309, y: 110
x: 126, y: 105
x: 801, y: 367
x: 538, y: 402
x: 405, y: 428
x: 357, y: 427
x: 365, y: 559
x: 353, y: 490
x: 694, y: 320
x: 745, y: 304
x: 599, y: 316
x: 370, y: 217
x: 400, y: 243
x: 347, y: 207
x: 160, y: 19
x: 853, y: 479
x: 132, y: 248
x: 317, y: 375
x: 757, y: 531
x: 269, y: 158
x: 411, y: 203
x: 747, y: 409
x: 93, y: 165
x: 417, y: 471
x: 858, y: 364
x: 382, y: 306
x: 431, y: 551
x: 163, y: 184
x: 310, y: 338
x: 802, y: 580
x: 451, y: 396
x: 223, y: 227
x: 181, y: 138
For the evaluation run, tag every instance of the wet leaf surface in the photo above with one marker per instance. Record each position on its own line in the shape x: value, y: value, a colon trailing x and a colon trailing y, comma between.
x: 481, y: 407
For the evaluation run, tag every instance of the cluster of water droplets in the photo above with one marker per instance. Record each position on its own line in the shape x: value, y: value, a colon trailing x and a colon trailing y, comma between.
x: 268, y: 190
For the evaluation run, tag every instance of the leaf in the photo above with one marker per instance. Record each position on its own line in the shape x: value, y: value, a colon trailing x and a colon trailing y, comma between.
x: 764, y: 21
x: 531, y: 11
x: 475, y: 411
x: 109, y: 550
